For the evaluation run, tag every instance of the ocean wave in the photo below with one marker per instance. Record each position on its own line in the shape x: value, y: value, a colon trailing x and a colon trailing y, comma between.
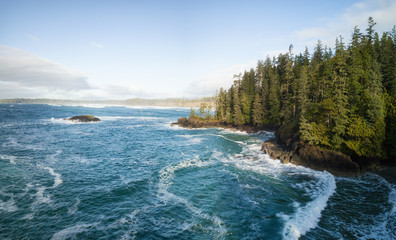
x: 8, y: 206
x: 114, y: 118
x: 307, y: 217
x: 57, y: 176
x: 166, y: 176
x: 68, y: 122
x: 8, y: 157
x: 41, y: 197
x: 74, y: 207
x: 323, y: 187
x: 381, y: 226
x: 71, y: 232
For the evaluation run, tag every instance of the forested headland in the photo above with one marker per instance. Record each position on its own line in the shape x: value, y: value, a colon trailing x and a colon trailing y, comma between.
x: 341, y: 99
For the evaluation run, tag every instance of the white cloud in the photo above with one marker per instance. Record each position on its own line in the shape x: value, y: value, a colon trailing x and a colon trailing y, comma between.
x: 382, y: 11
x: 23, y: 74
x: 32, y: 37
x: 96, y: 45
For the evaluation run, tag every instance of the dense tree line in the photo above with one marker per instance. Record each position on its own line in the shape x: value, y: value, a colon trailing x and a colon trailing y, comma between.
x: 342, y: 99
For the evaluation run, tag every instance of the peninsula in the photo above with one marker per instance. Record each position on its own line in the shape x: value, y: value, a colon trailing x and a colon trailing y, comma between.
x: 332, y: 110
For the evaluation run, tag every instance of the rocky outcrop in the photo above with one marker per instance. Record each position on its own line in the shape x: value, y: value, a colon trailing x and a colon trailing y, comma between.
x: 84, y: 118
x: 291, y: 150
x: 313, y: 157
x: 199, y: 123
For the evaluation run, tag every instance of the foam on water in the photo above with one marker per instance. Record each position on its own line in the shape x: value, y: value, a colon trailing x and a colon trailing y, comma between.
x: 71, y: 232
x: 114, y: 118
x: 72, y: 210
x: 8, y: 157
x: 307, y: 217
x: 166, y: 176
x: 41, y: 197
x: 193, y: 139
x: 235, y: 132
x: 8, y: 206
x: 384, y: 226
x: 68, y: 122
x: 58, y: 180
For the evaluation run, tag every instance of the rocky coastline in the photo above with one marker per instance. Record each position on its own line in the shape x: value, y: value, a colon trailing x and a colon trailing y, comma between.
x: 192, y: 123
x: 296, y: 152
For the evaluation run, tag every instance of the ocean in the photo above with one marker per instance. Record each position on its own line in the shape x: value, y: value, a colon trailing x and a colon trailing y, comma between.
x: 133, y: 176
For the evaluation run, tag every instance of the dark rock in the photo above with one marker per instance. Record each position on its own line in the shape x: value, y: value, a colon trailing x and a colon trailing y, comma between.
x: 84, y: 118
x: 321, y: 159
x: 199, y: 123
x: 313, y: 157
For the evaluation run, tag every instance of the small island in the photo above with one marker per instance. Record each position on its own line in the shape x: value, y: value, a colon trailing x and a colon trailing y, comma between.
x: 84, y: 118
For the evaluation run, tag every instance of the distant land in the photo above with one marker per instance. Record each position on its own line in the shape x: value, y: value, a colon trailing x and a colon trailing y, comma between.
x: 168, y: 102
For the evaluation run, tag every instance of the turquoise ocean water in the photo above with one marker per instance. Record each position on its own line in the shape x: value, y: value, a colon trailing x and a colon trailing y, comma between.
x: 133, y: 176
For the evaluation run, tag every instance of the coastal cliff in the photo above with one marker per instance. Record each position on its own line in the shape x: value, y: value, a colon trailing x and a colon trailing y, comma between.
x: 313, y: 157
x: 294, y: 151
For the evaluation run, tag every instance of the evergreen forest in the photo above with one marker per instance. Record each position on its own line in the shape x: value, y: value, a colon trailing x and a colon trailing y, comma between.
x: 343, y: 99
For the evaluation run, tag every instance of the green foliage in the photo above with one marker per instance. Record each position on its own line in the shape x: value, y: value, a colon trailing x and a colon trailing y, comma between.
x: 257, y: 110
x: 203, y: 112
x: 359, y: 134
x: 343, y: 100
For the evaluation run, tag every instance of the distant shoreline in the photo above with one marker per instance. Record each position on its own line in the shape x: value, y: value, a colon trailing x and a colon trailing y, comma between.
x: 135, y: 102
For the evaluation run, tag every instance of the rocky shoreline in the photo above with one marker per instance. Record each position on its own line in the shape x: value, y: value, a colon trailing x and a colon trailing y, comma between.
x: 313, y: 157
x: 296, y: 152
x: 192, y: 123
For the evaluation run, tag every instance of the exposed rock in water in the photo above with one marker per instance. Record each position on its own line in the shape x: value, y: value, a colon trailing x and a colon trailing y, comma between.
x: 313, y: 157
x: 84, y: 118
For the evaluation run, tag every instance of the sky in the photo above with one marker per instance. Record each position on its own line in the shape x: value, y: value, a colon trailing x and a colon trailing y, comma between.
x: 98, y: 50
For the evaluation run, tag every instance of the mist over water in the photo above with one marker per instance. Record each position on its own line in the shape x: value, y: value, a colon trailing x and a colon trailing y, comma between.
x: 133, y: 176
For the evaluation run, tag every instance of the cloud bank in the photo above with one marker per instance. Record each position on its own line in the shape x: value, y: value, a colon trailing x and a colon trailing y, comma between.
x: 23, y: 74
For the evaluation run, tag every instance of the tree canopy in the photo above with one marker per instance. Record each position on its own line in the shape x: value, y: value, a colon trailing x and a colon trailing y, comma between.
x: 342, y: 99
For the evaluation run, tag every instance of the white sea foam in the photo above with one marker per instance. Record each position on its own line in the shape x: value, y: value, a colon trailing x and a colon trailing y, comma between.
x: 73, y: 209
x: 64, y: 121
x: 58, y: 180
x: 114, y: 118
x: 8, y: 206
x: 228, y: 139
x: 193, y: 139
x: 385, y: 223
x: 230, y: 131
x: 307, y: 217
x: 41, y: 197
x: 166, y: 176
x: 9, y: 158
x: 71, y: 232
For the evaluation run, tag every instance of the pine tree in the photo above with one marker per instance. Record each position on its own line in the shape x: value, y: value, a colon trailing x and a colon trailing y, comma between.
x: 246, y: 108
x: 286, y: 77
x: 340, y: 118
x: 237, y: 116
x: 257, y: 110
x: 273, y: 99
x: 302, y: 91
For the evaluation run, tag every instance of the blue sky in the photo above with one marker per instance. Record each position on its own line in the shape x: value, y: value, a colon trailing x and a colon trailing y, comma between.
x: 158, y: 49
